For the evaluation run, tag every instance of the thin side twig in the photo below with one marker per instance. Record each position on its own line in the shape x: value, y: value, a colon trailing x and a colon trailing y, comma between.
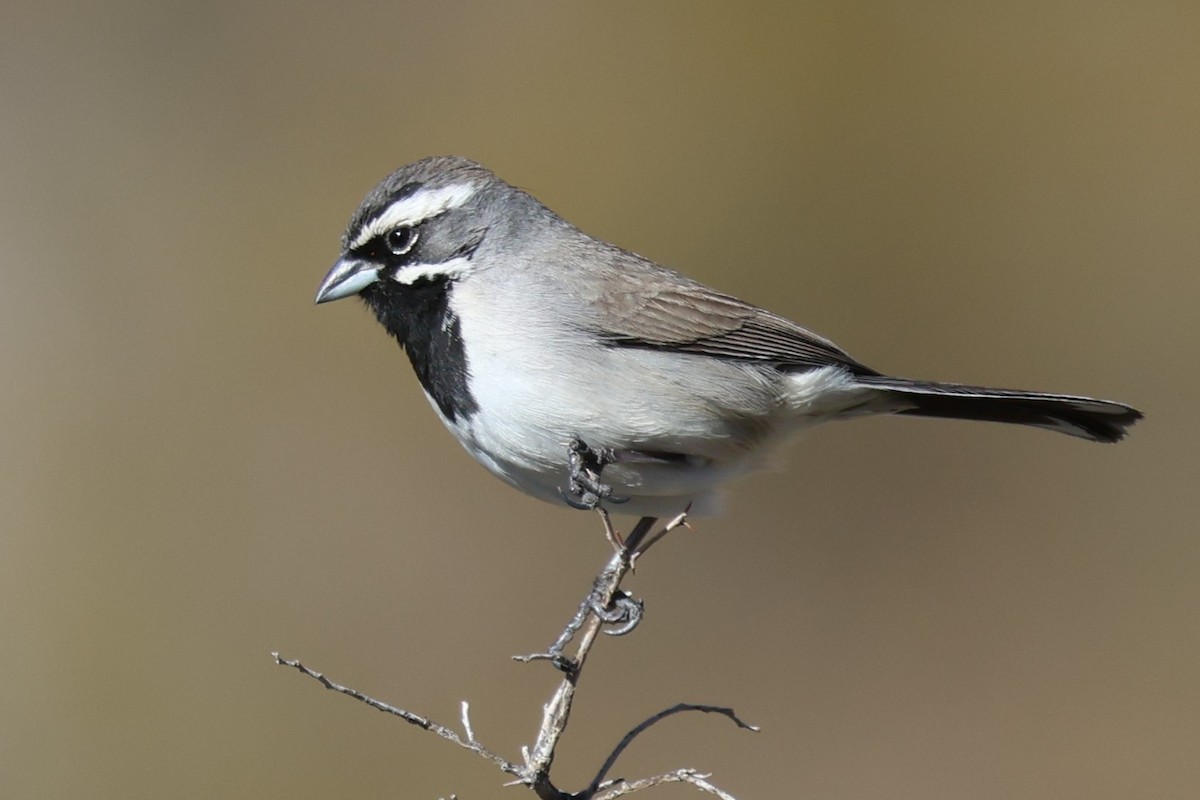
x: 697, y: 779
x: 466, y: 721
x: 407, y: 716
x: 655, y: 719
x: 591, y: 619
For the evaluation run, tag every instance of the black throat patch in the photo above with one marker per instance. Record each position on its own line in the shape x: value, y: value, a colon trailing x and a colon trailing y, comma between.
x: 418, y: 315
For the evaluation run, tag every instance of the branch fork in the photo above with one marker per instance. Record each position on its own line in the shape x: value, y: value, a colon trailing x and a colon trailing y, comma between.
x: 607, y: 607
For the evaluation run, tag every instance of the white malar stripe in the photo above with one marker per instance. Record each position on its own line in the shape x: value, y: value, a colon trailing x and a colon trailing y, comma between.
x: 411, y: 273
x: 423, y: 205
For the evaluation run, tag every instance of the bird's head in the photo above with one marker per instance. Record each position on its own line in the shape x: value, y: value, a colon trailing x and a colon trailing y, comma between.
x: 421, y: 225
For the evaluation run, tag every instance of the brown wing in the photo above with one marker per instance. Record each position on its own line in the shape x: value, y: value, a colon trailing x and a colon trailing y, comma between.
x: 681, y: 315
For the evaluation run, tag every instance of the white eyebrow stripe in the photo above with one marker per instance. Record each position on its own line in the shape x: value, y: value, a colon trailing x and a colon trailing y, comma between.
x: 411, y: 273
x: 425, y: 204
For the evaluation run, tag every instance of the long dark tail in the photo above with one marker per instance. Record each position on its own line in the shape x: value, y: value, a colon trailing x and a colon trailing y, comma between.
x: 1085, y: 417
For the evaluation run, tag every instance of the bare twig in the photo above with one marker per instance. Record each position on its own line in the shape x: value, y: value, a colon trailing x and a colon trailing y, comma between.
x: 407, y: 716
x: 466, y: 721
x: 557, y: 712
x: 697, y: 779
x: 678, y: 521
x: 656, y: 718
x: 605, y: 601
x: 606, y: 604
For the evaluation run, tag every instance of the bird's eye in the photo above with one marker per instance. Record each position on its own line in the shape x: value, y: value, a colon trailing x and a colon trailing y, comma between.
x: 400, y: 240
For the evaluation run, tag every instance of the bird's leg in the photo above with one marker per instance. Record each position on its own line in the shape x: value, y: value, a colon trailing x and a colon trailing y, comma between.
x: 584, y: 465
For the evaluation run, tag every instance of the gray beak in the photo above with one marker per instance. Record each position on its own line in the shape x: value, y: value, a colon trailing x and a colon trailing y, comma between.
x: 347, y: 277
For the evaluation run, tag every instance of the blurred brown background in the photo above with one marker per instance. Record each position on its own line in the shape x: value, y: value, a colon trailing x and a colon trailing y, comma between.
x: 199, y: 467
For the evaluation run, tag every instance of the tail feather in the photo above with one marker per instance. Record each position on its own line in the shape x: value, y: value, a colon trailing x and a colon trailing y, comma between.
x: 1085, y: 417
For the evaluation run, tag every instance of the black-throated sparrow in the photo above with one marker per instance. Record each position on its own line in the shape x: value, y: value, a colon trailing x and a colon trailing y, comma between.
x: 551, y: 355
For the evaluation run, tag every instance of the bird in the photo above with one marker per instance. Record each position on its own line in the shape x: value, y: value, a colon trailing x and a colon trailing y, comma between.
x: 584, y: 374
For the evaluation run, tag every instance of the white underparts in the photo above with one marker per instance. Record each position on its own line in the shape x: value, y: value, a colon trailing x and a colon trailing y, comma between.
x: 823, y: 392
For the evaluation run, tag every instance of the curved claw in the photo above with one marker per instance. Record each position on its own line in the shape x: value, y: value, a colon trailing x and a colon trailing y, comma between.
x: 564, y: 664
x: 625, y: 609
x: 590, y: 500
x: 587, y: 501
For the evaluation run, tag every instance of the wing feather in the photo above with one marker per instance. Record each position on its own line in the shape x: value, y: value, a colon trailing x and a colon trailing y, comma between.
x: 675, y: 313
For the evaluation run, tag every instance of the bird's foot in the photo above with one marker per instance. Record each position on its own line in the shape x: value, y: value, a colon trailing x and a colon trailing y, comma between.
x: 624, y: 611
x: 620, y: 615
x: 584, y: 488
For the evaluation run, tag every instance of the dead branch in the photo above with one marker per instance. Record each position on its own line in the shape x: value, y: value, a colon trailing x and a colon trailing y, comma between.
x: 605, y: 605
